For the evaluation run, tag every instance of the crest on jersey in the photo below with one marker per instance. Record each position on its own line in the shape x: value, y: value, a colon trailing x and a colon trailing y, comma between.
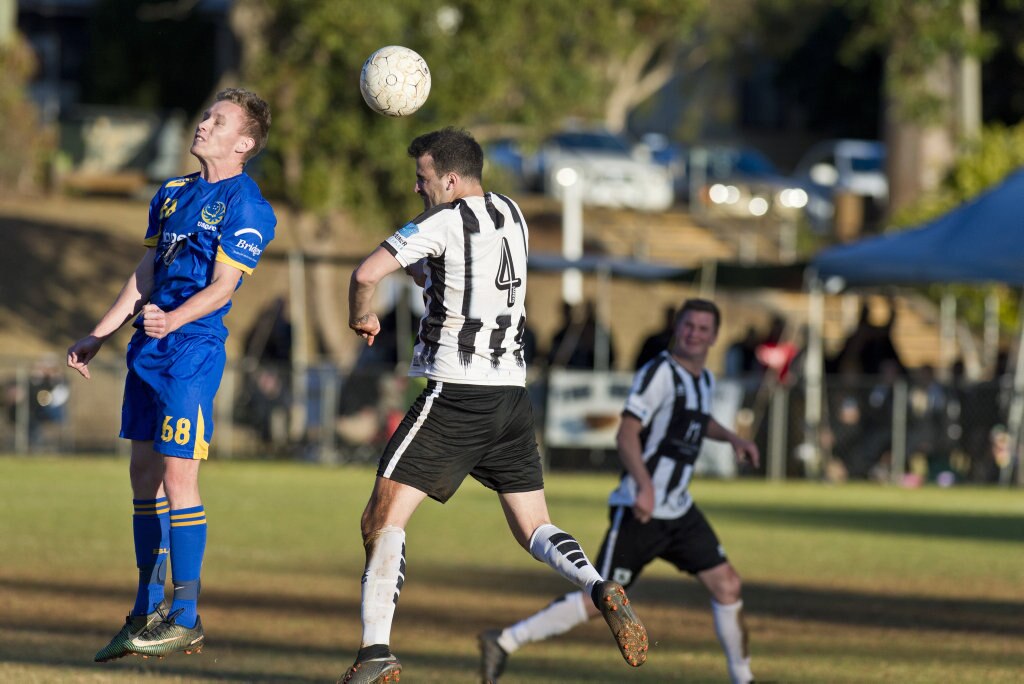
x: 213, y: 213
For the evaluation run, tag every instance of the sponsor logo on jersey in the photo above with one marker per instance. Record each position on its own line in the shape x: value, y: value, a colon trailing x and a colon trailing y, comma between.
x: 212, y: 214
x: 408, y: 230
x: 249, y: 247
x: 246, y: 231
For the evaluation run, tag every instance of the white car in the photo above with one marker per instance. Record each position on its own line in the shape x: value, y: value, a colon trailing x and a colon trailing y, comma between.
x: 612, y: 174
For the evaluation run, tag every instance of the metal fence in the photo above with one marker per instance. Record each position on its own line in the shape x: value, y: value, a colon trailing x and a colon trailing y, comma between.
x: 904, y: 429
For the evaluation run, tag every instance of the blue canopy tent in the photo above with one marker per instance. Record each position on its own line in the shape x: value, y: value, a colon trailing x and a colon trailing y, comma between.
x: 979, y: 241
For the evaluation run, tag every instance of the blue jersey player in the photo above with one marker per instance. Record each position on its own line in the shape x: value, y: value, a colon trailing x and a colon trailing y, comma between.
x: 205, y: 231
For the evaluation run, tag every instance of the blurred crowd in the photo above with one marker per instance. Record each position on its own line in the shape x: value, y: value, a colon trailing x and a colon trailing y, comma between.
x: 955, y: 426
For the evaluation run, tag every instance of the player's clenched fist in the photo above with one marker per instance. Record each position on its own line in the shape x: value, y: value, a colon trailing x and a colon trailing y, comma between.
x: 155, y: 321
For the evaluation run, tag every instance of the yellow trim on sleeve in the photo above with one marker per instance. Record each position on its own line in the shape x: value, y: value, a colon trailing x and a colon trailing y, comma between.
x: 152, y: 241
x: 225, y: 259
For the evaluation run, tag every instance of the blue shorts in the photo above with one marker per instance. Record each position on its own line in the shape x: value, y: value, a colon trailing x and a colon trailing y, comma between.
x: 168, y: 394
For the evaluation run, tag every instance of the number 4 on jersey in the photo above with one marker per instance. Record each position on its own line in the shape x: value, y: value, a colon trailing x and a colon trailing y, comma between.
x: 506, y: 278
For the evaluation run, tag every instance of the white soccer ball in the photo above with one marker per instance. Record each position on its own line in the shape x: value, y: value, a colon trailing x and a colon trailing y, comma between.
x: 395, y: 81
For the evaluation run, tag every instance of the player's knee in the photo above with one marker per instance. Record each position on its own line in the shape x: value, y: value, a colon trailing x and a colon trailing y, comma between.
x: 370, y: 524
x: 146, y: 478
x: 730, y: 589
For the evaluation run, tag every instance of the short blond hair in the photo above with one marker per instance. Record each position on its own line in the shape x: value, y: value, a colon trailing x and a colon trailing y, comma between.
x: 257, y: 114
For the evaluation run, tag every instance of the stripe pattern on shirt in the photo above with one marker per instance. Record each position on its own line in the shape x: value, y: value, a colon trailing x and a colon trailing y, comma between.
x: 475, y: 250
x: 674, y: 408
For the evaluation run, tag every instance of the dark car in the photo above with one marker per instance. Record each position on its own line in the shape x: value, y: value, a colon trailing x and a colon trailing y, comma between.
x: 741, y: 181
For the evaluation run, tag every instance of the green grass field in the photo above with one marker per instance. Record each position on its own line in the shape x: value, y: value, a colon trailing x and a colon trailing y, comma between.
x: 857, y: 583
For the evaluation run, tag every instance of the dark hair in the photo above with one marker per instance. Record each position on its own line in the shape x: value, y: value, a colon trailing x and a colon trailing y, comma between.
x: 257, y: 114
x: 451, y: 149
x: 705, y: 305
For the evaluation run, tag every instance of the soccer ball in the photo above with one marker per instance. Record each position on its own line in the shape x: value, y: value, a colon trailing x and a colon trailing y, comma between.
x: 395, y: 81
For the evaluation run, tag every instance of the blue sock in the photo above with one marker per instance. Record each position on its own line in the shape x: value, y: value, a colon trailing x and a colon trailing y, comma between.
x: 151, y: 526
x: 188, y: 543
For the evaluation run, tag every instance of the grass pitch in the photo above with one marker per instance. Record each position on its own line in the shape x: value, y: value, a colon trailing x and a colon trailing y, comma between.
x: 857, y: 583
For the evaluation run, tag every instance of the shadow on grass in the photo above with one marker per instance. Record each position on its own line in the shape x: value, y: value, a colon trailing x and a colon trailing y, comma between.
x: 841, y: 607
x: 522, y: 591
x: 953, y: 525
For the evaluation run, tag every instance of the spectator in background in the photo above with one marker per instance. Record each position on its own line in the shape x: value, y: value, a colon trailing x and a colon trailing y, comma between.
x: 741, y: 357
x: 867, y: 347
x: 775, y: 354
x: 577, y: 342
x: 658, y: 341
x: 263, y: 403
x: 985, y: 409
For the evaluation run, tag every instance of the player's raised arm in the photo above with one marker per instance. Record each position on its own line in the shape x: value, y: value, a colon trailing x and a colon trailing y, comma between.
x: 133, y: 296
x: 363, y: 284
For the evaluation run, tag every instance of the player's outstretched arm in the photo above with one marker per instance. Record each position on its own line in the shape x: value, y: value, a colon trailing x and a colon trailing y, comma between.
x: 133, y: 296
x: 744, y: 448
x: 159, y: 323
x: 363, y: 284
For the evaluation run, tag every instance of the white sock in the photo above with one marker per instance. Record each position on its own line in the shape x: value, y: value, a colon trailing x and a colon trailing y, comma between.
x: 559, y: 617
x: 382, y: 582
x: 733, y: 636
x: 562, y: 552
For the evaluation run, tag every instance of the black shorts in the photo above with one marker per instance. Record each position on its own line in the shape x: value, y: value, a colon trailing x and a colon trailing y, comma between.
x: 453, y: 430
x: 687, y: 542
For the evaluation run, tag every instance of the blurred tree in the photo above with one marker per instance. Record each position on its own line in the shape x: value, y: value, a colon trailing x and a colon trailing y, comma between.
x: 25, y: 141
x: 932, y: 85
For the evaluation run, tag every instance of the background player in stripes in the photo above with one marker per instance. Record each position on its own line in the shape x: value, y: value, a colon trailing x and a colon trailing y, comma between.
x: 666, y: 418
x: 468, y: 250
x: 205, y: 230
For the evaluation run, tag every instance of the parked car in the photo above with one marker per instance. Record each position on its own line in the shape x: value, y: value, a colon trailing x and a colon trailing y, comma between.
x: 856, y: 167
x: 505, y: 155
x: 613, y: 173
x: 734, y: 180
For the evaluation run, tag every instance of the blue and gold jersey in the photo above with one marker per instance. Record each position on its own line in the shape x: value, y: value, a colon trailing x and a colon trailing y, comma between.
x: 194, y: 223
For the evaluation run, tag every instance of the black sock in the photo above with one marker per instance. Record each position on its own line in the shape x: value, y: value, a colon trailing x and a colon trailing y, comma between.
x: 373, y: 652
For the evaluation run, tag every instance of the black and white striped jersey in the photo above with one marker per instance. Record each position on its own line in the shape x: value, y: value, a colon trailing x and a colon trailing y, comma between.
x: 475, y: 294
x: 674, y: 408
